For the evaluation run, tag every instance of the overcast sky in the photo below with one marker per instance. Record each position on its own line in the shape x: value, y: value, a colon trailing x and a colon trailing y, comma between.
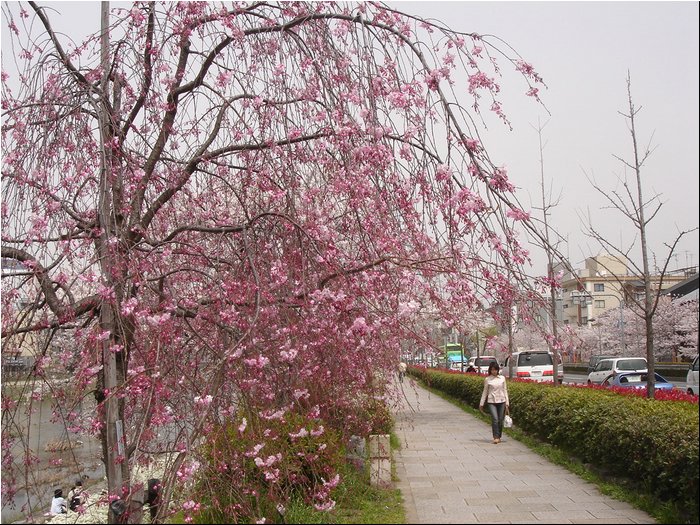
x: 583, y: 50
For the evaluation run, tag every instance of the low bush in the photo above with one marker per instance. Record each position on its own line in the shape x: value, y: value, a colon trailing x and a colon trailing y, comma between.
x: 379, y: 416
x: 289, y: 469
x: 256, y: 468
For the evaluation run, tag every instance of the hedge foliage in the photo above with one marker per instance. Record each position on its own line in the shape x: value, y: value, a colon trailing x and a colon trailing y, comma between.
x: 650, y: 442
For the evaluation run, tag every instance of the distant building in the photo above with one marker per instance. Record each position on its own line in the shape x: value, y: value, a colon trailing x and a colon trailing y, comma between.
x: 686, y: 290
x: 11, y: 267
x: 19, y: 351
x: 603, y: 284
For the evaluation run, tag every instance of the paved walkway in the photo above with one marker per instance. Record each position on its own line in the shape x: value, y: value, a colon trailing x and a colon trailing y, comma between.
x: 450, y: 472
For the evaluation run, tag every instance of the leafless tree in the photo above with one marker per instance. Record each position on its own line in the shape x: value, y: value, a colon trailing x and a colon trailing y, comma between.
x: 631, y: 203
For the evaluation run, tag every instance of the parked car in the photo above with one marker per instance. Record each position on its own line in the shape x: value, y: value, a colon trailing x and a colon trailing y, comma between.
x: 691, y: 379
x: 537, y: 365
x: 480, y: 364
x: 457, y: 365
x: 595, y: 359
x: 615, y: 365
x: 636, y: 380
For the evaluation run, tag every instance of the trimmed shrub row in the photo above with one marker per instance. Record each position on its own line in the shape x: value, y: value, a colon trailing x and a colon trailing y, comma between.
x: 650, y: 442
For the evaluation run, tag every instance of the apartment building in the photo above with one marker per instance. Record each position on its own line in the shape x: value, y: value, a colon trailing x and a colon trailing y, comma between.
x: 604, y: 283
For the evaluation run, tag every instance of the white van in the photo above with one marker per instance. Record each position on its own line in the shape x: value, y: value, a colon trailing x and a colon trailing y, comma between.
x: 536, y: 365
x: 691, y: 380
x: 613, y: 366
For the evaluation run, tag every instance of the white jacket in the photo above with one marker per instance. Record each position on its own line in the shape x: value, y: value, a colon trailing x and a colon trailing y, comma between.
x: 58, y: 506
x: 495, y: 390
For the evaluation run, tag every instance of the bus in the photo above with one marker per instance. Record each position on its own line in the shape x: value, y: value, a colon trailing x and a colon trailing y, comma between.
x: 454, y: 356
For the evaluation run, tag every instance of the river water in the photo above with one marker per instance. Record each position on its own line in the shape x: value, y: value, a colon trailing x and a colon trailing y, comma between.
x: 53, y: 469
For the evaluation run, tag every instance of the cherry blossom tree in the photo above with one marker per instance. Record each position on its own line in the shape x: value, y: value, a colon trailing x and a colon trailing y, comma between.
x: 246, y: 206
x: 526, y: 337
x: 675, y: 331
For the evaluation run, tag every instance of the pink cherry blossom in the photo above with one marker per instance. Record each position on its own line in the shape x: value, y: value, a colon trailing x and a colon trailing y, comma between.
x: 279, y: 196
x: 517, y: 214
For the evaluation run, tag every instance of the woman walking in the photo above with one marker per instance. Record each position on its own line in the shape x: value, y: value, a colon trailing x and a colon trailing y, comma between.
x: 496, y: 395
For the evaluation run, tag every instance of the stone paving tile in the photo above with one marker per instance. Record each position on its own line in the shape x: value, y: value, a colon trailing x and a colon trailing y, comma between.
x: 615, y: 514
x: 497, y: 484
x: 566, y: 505
x: 426, y: 495
x: 429, y: 461
x: 451, y: 501
x: 448, y: 485
x: 504, y: 517
x: 472, y: 492
x: 450, y: 472
x: 432, y: 506
x: 550, y: 521
x: 444, y: 518
x: 505, y: 506
x: 621, y: 505
x: 480, y: 469
x: 481, y: 509
x: 420, y: 484
x: 554, y: 515
x: 547, y: 498
x: 479, y: 476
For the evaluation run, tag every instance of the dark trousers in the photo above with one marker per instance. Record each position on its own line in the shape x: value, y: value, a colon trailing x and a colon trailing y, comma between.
x: 498, y: 413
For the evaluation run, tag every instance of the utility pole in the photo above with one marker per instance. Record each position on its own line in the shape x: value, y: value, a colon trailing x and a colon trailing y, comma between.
x: 113, y: 445
x: 510, y: 341
x: 622, y: 320
x: 552, y: 343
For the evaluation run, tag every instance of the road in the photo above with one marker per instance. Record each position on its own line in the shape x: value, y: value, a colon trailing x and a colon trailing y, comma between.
x: 577, y: 379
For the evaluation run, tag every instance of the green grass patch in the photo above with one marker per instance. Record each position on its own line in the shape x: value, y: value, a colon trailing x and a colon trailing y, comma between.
x: 357, y: 501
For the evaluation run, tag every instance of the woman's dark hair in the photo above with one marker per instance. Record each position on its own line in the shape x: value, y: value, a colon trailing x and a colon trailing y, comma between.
x: 494, y: 366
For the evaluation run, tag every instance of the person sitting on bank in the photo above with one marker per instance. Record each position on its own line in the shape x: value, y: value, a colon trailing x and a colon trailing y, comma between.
x: 58, y: 503
x: 76, y: 496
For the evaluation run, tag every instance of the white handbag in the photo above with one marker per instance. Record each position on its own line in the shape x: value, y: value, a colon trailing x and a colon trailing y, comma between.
x: 507, y: 421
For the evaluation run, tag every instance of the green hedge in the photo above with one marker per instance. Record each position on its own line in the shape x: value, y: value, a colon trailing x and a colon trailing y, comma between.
x: 651, y: 442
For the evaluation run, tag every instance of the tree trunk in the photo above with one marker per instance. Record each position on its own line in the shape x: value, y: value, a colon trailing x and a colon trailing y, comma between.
x: 648, y: 306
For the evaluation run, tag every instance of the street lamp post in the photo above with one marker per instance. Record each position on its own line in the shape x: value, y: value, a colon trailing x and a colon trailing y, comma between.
x: 622, y: 320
